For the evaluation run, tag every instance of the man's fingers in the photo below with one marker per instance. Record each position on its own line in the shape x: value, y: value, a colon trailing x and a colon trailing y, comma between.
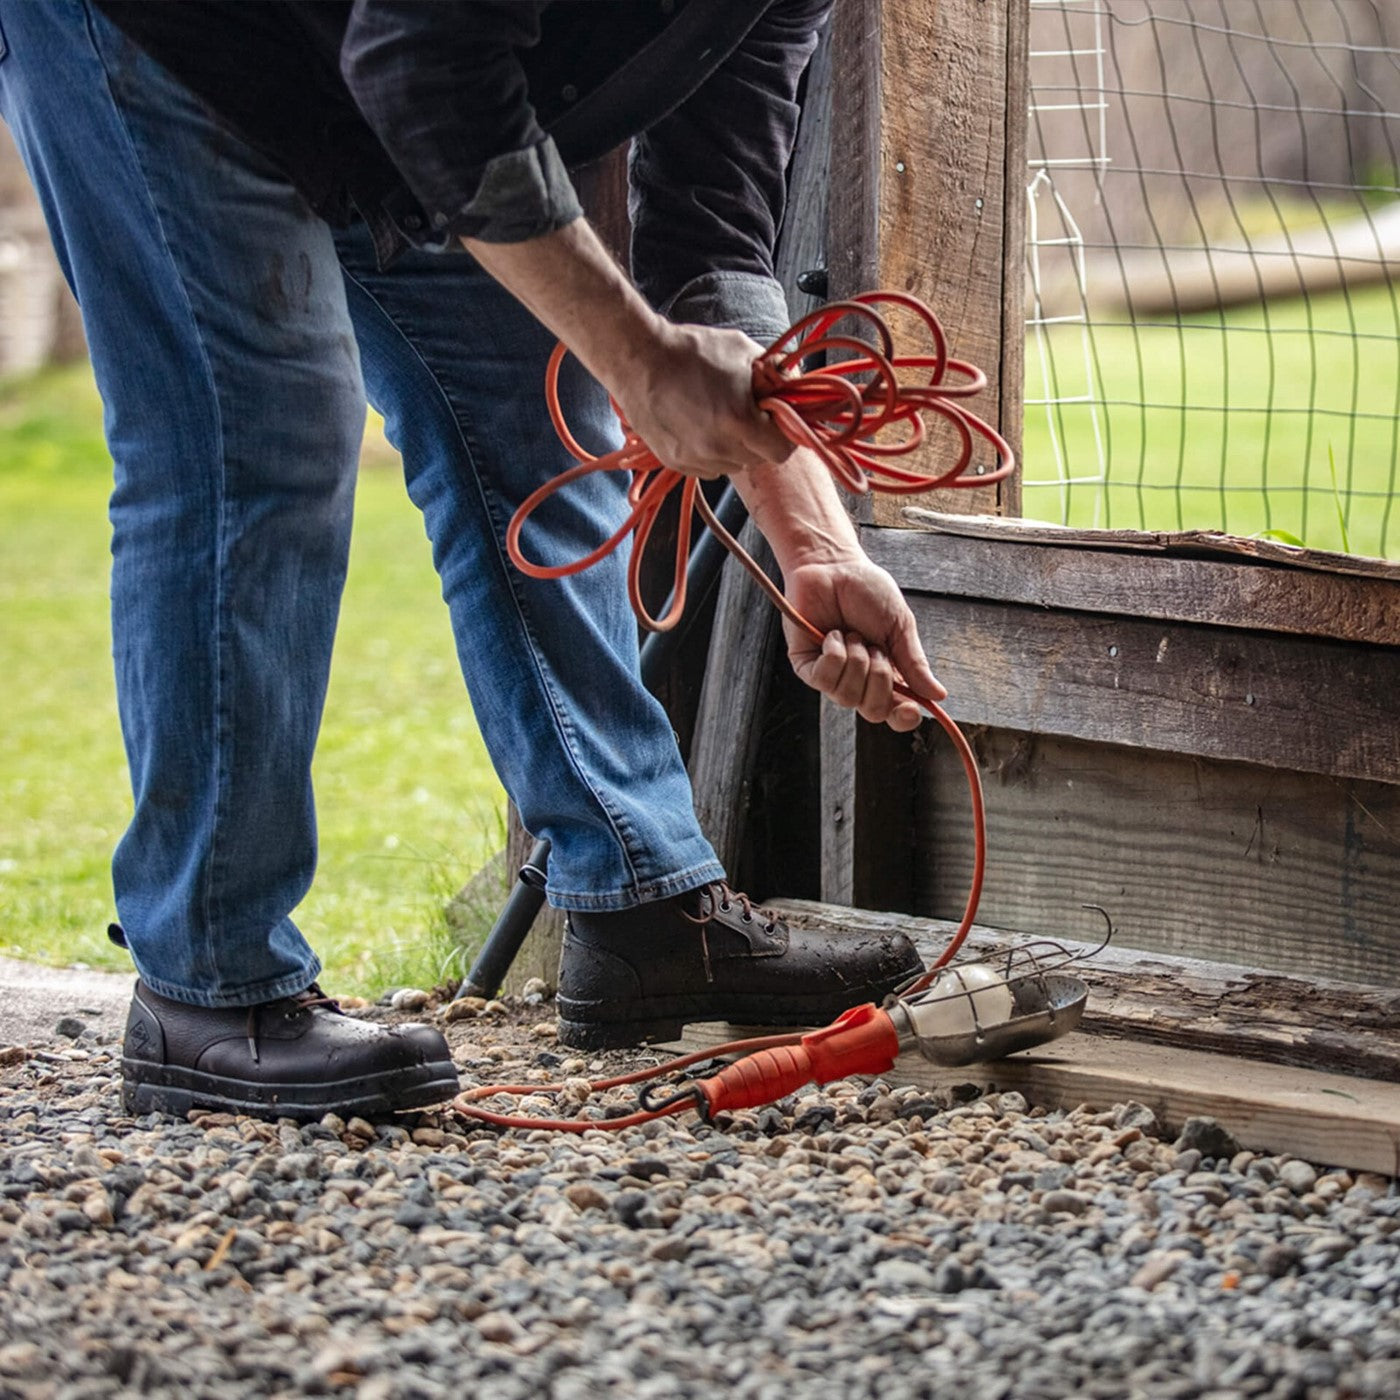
x: 851, y: 673
x: 848, y: 688
x: 905, y: 716
x: 913, y: 665
x: 862, y: 677
x: 878, y: 699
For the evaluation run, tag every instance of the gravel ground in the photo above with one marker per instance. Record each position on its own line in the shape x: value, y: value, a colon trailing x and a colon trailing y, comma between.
x: 854, y: 1242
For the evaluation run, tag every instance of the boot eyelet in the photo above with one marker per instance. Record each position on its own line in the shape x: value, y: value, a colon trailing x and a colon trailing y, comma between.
x: 746, y: 917
x: 724, y: 907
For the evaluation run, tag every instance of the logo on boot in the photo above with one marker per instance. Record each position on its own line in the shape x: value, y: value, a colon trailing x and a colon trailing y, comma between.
x: 138, y: 1037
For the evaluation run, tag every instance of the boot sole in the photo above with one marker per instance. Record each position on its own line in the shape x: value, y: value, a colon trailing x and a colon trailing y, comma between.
x: 153, y: 1088
x: 588, y: 1026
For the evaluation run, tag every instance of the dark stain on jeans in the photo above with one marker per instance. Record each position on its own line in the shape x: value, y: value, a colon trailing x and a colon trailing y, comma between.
x: 285, y: 290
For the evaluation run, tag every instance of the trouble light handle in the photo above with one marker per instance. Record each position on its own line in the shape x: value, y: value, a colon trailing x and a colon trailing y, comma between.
x: 862, y: 1040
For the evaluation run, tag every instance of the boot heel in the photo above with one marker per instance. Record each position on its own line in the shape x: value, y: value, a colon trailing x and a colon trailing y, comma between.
x: 140, y: 1099
x: 617, y: 1035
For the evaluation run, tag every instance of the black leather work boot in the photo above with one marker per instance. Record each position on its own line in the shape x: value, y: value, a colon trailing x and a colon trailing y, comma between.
x: 300, y: 1057
x: 641, y: 974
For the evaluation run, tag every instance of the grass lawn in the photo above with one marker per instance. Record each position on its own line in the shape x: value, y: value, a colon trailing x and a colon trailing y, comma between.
x: 409, y: 806
x: 1267, y: 464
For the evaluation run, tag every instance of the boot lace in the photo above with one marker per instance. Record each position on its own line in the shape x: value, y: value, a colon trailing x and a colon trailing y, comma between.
x: 303, y: 1001
x: 722, y: 899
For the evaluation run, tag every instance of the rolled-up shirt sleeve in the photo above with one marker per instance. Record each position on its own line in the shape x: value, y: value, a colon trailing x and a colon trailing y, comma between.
x: 441, y: 85
x: 708, y: 183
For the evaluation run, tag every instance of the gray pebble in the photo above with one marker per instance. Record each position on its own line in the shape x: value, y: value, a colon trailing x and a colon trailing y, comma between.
x: 1207, y: 1137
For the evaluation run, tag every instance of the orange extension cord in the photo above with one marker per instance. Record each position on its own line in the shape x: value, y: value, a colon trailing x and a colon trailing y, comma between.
x: 841, y: 419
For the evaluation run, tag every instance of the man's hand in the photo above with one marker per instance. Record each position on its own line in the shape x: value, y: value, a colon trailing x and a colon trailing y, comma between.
x: 869, y: 635
x: 690, y: 399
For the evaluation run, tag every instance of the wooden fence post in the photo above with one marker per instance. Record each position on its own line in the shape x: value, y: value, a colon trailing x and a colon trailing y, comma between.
x: 928, y: 170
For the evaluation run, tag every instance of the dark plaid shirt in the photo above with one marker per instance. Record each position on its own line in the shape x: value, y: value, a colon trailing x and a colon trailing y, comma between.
x: 441, y: 118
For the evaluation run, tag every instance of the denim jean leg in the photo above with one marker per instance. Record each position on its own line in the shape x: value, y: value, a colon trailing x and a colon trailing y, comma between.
x: 456, y: 365
x: 216, y: 317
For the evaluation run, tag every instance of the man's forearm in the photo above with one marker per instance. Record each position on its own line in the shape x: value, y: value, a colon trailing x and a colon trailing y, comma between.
x: 799, y: 511
x: 572, y: 286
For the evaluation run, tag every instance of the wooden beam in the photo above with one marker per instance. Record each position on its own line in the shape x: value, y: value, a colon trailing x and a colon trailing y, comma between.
x: 1291, y: 871
x: 1187, y: 543
x: 928, y: 153
x: 928, y: 162
x: 1243, y: 594
x: 1288, y: 702
x: 1247, y: 1012
x: 1330, y: 1119
x: 733, y: 697
x: 868, y: 827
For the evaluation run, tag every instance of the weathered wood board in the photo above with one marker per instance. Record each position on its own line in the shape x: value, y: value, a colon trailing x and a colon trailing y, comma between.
x: 1207, y: 746
x: 1190, y: 543
x: 1163, y: 586
x: 1289, y: 871
x: 868, y: 824
x: 928, y: 151
x: 1315, y: 705
x: 1330, y: 1119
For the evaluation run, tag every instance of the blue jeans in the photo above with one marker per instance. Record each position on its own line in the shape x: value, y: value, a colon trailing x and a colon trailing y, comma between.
x: 234, y: 336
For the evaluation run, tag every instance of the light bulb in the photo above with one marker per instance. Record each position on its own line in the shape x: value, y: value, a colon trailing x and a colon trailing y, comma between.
x: 947, y: 1007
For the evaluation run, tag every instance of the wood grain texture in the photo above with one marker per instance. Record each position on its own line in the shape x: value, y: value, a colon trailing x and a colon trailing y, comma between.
x: 1224, y: 593
x: 942, y: 198
x: 838, y: 787
x: 1011, y: 377
x: 1318, y: 706
x: 1331, y: 1119
x: 932, y: 184
x: 1292, y: 872
x: 1226, y: 1008
x: 853, y: 229
x: 743, y: 652
x: 868, y: 826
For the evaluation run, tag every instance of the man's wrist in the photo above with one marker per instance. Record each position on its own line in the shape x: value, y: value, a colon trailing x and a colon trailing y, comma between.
x: 796, y: 506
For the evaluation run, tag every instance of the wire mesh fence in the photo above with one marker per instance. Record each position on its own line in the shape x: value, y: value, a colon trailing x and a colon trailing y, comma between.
x: 1213, y: 336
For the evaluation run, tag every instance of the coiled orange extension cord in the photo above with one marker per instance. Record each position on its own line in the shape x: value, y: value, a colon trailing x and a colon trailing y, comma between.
x: 840, y: 411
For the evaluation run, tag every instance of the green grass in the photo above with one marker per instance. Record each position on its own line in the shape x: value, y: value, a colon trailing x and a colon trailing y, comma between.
x: 1259, y: 467
x: 409, y: 806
